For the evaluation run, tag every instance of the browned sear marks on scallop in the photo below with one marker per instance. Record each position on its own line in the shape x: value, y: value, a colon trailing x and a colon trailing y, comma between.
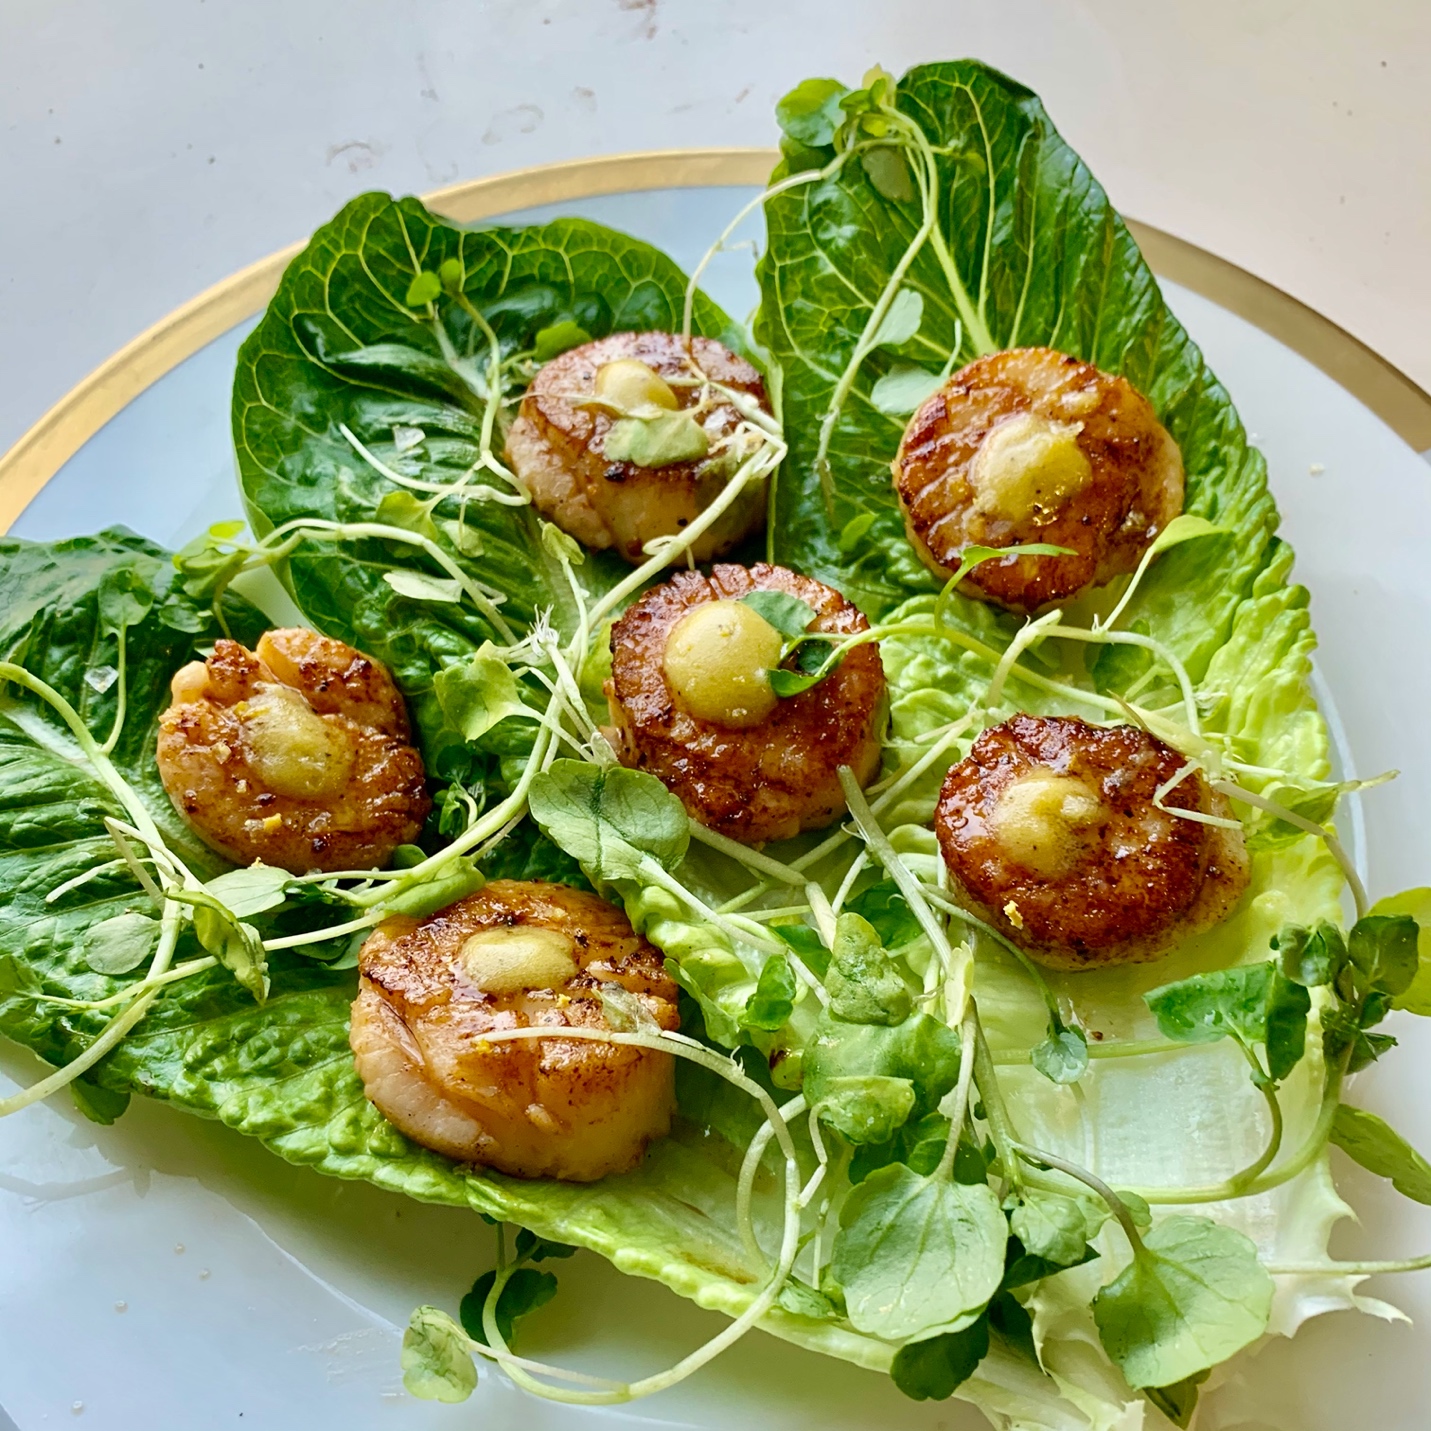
x: 1031, y: 446
x: 557, y: 447
x: 515, y: 955
x: 297, y: 754
x: 1049, y: 832
x: 767, y: 781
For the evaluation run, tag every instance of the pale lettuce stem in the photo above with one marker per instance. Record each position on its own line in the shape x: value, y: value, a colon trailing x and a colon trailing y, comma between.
x: 956, y: 911
x: 317, y: 936
x: 743, y: 854
x: 460, y: 488
x: 996, y: 1113
x: 1031, y: 678
x: 727, y: 926
x: 886, y: 854
x: 745, y: 1182
x: 476, y: 833
x: 857, y: 864
x: 114, y: 1032
x: 97, y: 758
x: 120, y: 698
x: 171, y: 976
x: 673, y: 549
x: 959, y: 1103
x: 382, y: 532
x: 1148, y: 643
x: 1273, y: 1177
x: 790, y: 1242
x: 1123, y: 1048
x: 1347, y: 1269
x: 973, y: 318
x: 1323, y: 833
x: 1025, y: 637
x: 108, y: 867
x: 1116, y: 1205
x: 793, y: 181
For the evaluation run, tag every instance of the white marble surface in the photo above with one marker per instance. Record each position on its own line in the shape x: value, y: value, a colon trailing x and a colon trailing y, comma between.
x: 150, y: 147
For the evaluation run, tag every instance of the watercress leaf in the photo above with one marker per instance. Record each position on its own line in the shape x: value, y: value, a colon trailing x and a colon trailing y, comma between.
x: 789, y: 615
x: 1055, y: 1227
x: 864, y: 985
x: 888, y: 171
x: 1380, y: 1149
x: 901, y: 319
x: 1062, y: 1056
x: 99, y: 1104
x: 888, y: 912
x: 871, y: 1077
x: 256, y: 889
x: 436, y: 1365
x: 526, y: 1291
x: 551, y: 342
x: 1286, y: 1034
x: 1383, y: 949
x: 802, y: 1300
x: 1415, y: 998
x: 661, y: 441
x: 476, y: 696
x: 610, y: 820
x: 422, y: 290
x: 810, y: 114
x: 541, y: 1249
x: 1367, y: 1048
x: 806, y: 942
x: 919, y: 1144
x: 236, y: 945
x: 933, y: 1369
x: 773, y: 1001
x: 121, y: 943
x: 791, y: 683
x: 1178, y: 1401
x: 914, y: 1254
x: 1007, y: 1317
x: 125, y: 597
x: 1138, y: 1210
x: 1024, y: 1267
x: 1191, y: 1297
x: 1310, y: 957
x: 1208, y: 1007
x: 854, y: 532
x: 899, y: 392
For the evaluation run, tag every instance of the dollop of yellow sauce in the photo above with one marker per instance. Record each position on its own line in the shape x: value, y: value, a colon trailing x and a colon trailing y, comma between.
x: 294, y: 751
x: 718, y: 660
x: 1043, y: 820
x: 634, y: 389
x: 1028, y: 466
x: 511, y: 959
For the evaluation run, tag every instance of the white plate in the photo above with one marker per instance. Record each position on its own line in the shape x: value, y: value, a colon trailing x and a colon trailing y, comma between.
x: 167, y: 1274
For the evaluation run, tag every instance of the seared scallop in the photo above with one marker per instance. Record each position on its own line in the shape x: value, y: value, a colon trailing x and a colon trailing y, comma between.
x: 1050, y: 832
x: 558, y: 444
x: 297, y: 754
x: 1034, y: 446
x: 692, y: 702
x: 515, y: 955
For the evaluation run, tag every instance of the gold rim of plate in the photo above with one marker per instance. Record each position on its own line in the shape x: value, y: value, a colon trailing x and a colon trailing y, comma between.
x: 61, y: 432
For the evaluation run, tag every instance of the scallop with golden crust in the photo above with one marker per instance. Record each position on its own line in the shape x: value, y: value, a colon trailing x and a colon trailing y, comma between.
x: 1049, y: 832
x: 297, y: 754
x: 515, y: 955
x: 764, y: 771
x: 1034, y: 446
x: 557, y: 447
